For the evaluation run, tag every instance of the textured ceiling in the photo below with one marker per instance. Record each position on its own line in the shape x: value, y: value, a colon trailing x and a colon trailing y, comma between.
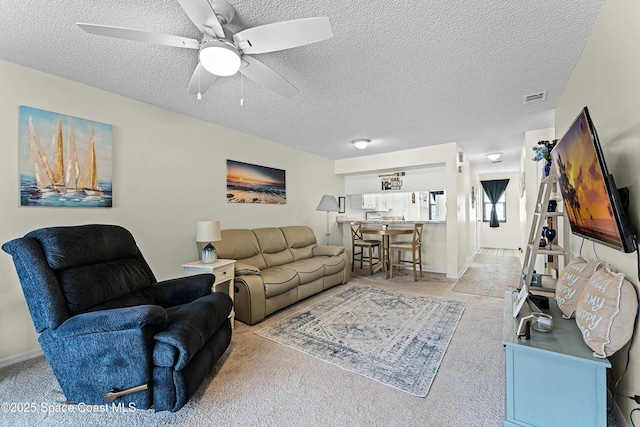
x: 405, y: 74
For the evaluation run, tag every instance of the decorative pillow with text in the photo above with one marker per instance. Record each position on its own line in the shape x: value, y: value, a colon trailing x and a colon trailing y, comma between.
x: 571, y: 282
x: 606, y: 312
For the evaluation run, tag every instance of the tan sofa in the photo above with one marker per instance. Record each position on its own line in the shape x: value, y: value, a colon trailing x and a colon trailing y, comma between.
x: 277, y: 267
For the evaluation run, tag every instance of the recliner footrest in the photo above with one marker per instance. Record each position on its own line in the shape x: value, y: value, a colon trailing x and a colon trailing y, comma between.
x: 188, y: 329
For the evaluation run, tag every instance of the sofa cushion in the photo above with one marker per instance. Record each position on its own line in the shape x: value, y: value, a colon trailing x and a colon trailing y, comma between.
x: 301, y: 241
x: 241, y: 245
x: 332, y: 264
x: 308, y: 269
x: 243, y: 269
x: 278, y: 280
x: 273, y: 246
x: 327, y: 250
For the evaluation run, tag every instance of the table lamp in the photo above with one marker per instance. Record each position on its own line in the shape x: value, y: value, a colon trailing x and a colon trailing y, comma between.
x: 207, y: 232
x: 328, y: 204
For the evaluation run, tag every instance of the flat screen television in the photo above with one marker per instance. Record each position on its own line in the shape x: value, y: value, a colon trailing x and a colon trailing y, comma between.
x: 591, y: 199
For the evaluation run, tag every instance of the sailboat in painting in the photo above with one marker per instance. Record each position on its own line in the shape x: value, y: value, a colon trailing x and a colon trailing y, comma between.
x: 89, y: 179
x: 56, y: 185
x: 72, y: 175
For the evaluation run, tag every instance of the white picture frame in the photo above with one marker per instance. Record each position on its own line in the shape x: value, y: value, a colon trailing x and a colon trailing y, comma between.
x: 520, y: 299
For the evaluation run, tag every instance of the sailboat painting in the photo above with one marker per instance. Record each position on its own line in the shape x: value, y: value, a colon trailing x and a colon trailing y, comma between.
x: 74, y: 169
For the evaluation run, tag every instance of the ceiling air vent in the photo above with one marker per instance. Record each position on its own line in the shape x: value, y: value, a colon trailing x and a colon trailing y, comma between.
x: 534, y: 98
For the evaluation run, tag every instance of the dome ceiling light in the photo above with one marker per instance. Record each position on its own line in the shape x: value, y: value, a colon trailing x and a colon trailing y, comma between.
x: 361, y: 143
x: 494, y: 156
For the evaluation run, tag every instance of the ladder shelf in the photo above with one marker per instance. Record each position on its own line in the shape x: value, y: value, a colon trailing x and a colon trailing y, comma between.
x: 559, y: 247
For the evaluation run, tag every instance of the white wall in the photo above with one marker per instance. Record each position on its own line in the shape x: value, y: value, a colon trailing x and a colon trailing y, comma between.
x: 532, y: 173
x: 421, y: 179
x: 606, y: 79
x: 508, y: 235
x: 474, y: 208
x: 169, y: 172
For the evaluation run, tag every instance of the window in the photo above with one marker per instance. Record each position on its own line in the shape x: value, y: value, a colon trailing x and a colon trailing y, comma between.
x: 433, y: 204
x: 501, y: 207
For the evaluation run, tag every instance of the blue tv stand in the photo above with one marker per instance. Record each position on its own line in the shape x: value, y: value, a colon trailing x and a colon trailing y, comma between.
x: 553, y: 378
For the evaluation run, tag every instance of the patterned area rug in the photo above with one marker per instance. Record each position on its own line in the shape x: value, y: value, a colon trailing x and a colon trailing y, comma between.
x: 490, y: 275
x: 394, y: 338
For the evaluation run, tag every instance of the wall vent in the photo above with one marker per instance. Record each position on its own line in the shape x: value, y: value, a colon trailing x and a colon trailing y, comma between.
x: 534, y: 98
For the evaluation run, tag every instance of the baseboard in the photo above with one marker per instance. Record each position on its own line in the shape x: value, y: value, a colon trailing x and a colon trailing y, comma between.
x: 619, y: 419
x: 424, y: 269
x: 463, y: 269
x: 7, y: 361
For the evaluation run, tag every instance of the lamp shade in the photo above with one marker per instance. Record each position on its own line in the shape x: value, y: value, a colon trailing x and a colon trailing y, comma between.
x: 208, y: 231
x: 328, y: 203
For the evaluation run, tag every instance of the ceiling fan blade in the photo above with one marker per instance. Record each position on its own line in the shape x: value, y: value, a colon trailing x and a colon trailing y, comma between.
x: 201, y: 80
x: 283, y: 35
x: 140, y: 36
x: 265, y: 76
x: 203, y: 16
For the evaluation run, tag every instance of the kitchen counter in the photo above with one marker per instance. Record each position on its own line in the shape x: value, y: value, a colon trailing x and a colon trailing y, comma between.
x: 434, y: 238
x: 386, y: 221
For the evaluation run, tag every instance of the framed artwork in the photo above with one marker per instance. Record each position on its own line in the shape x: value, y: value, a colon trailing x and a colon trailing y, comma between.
x: 247, y: 183
x: 520, y: 299
x: 64, y: 160
x: 341, y: 204
x: 473, y: 196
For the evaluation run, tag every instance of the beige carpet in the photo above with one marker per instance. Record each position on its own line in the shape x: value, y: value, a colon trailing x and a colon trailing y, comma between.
x: 490, y: 275
x: 262, y: 383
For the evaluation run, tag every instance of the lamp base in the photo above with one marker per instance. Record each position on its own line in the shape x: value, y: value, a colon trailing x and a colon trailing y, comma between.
x: 209, y: 254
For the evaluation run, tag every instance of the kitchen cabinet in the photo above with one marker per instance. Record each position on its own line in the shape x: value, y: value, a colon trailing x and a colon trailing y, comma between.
x: 384, y: 204
x: 370, y: 202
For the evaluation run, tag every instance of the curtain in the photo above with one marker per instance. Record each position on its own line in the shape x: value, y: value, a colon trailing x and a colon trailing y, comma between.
x: 495, y: 190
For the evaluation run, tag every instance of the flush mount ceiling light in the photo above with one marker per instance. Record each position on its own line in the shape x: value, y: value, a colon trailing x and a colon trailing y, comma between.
x: 494, y: 156
x: 220, y: 57
x: 361, y: 143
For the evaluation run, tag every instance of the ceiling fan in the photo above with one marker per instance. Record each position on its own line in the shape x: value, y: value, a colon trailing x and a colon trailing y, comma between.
x: 224, y: 54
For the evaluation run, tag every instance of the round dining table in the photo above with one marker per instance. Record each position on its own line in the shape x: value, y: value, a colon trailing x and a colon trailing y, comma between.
x: 385, y: 231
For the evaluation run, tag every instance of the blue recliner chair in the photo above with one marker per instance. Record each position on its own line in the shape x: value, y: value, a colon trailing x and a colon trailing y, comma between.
x: 109, y: 330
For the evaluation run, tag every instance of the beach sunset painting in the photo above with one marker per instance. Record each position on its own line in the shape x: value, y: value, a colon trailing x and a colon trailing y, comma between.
x: 247, y: 183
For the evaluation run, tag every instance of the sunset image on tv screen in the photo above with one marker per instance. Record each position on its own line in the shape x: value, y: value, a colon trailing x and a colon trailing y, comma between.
x: 582, y: 185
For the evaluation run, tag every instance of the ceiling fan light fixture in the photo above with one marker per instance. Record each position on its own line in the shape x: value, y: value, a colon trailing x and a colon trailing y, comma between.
x: 361, y: 143
x: 494, y: 156
x: 220, y: 57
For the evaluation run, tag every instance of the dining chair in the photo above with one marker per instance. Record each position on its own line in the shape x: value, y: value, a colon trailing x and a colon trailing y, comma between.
x: 359, y: 242
x: 414, y: 246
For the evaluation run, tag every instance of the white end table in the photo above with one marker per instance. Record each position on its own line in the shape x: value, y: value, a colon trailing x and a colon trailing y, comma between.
x: 224, y: 271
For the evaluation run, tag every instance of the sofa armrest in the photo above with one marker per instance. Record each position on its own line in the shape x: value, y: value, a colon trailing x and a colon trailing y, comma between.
x: 117, y: 319
x: 324, y: 250
x: 250, y: 300
x: 244, y: 269
x: 181, y: 290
